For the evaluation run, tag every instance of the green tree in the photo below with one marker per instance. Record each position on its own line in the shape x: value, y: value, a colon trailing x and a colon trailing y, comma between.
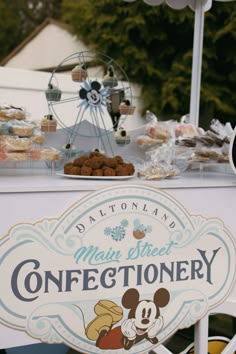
x: 219, y: 71
x: 19, y: 18
x: 154, y: 46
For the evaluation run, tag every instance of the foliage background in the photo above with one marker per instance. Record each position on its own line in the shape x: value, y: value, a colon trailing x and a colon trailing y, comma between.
x: 20, y: 17
x: 152, y: 44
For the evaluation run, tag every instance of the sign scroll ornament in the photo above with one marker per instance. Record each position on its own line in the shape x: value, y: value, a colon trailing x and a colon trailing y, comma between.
x: 122, y: 269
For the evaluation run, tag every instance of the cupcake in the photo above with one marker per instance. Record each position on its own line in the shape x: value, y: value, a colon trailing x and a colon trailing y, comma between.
x: 53, y: 93
x: 48, y: 123
x: 109, y: 79
x: 125, y: 107
x: 79, y: 73
x: 122, y: 137
x: 69, y: 151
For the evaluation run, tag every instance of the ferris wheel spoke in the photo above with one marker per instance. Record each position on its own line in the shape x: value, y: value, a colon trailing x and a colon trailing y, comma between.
x: 106, y: 133
x: 65, y: 100
x: 100, y: 135
x: 95, y: 123
x: 77, y: 124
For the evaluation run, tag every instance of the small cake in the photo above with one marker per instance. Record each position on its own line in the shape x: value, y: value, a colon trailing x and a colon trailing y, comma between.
x: 68, y: 147
x: 98, y: 172
x: 48, y: 154
x: 38, y: 137
x: 119, y: 159
x: 130, y: 168
x: 94, y: 162
x: 48, y: 123
x: 144, y: 141
x: 8, y: 112
x: 79, y: 73
x: 79, y: 161
x: 110, y: 162
x: 186, y: 130
x: 125, y: 107
x: 122, y: 137
x: 53, y: 93
x: 75, y: 170
x: 69, y: 151
x: 97, y: 152
x: 16, y: 156
x: 67, y: 167
x: 21, y: 128
x: 109, y: 79
x: 13, y: 143
x: 121, y: 170
x: 108, y: 171
x: 158, y: 131
x: 86, y: 171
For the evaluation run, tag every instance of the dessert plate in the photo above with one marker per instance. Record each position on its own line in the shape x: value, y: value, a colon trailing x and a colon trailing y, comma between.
x: 95, y: 177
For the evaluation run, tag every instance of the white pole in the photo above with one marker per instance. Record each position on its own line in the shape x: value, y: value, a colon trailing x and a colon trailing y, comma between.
x: 197, y: 62
x: 201, y: 330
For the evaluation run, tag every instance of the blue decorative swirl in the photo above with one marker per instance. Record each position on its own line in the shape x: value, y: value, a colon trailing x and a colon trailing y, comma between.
x: 41, y: 233
x: 185, y: 237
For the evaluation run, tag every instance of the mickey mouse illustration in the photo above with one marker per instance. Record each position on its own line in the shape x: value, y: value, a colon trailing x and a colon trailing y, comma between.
x: 92, y: 95
x: 144, y: 320
x: 140, y: 230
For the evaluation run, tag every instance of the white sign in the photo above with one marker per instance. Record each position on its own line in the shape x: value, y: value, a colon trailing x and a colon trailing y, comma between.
x: 123, y: 268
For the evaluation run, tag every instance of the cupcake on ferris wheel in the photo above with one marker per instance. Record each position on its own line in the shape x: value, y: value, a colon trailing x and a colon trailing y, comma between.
x: 126, y: 107
x: 48, y: 123
x: 110, y: 79
x: 79, y: 73
x: 53, y: 93
x: 122, y: 137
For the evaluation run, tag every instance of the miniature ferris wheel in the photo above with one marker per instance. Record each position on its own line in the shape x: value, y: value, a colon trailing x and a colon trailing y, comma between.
x: 101, y: 95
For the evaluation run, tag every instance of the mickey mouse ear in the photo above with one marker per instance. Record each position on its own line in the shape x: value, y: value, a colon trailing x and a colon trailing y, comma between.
x: 95, y: 85
x: 82, y: 93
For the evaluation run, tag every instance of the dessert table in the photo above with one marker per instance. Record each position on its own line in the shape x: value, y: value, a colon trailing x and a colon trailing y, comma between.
x: 29, y: 196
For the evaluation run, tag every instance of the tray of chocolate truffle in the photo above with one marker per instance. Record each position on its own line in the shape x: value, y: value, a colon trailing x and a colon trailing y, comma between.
x: 97, y: 165
x: 172, y: 147
x: 22, y: 139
